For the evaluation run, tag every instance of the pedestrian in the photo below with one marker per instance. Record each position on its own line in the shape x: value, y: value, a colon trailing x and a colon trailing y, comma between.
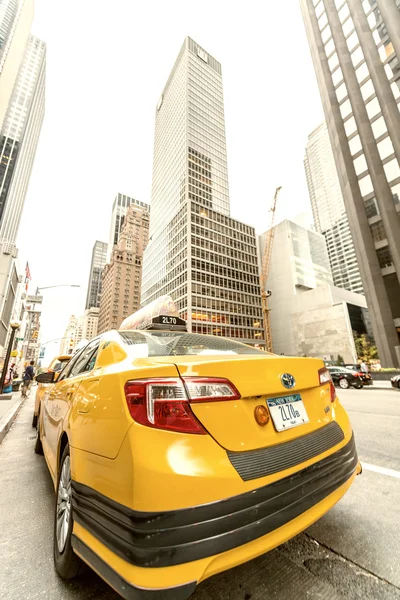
x: 27, y: 379
x: 9, y: 379
x: 364, y: 367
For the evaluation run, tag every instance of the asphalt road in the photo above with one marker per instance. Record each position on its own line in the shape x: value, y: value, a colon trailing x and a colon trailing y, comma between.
x: 353, y: 552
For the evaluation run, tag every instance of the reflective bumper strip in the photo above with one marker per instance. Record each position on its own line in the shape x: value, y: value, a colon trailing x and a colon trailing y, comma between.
x: 177, y: 537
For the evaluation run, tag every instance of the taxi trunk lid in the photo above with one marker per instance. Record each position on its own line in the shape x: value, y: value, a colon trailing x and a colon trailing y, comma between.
x: 232, y: 423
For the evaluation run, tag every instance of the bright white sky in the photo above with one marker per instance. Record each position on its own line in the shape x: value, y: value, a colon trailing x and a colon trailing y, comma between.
x: 107, y: 63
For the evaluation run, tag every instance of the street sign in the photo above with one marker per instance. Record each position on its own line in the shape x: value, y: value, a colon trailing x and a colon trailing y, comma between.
x: 34, y: 299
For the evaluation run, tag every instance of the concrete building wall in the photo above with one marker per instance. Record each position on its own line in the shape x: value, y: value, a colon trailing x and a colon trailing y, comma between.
x: 90, y: 323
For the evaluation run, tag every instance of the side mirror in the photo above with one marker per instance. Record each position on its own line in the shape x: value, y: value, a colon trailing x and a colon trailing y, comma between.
x: 46, y: 377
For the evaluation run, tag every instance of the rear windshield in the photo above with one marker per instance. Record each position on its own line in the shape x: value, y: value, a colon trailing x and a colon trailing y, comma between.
x: 173, y: 343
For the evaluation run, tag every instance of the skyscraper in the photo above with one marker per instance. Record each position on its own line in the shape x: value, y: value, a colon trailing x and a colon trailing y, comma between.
x: 197, y: 253
x: 119, y: 210
x: 122, y: 277
x: 20, y: 136
x: 15, y: 23
x: 355, y: 47
x: 329, y: 211
x: 99, y: 259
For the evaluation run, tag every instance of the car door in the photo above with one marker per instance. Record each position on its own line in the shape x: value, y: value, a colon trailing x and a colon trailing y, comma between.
x: 58, y: 402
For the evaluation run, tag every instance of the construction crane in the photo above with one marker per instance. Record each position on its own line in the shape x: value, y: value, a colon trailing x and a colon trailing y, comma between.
x: 265, y: 267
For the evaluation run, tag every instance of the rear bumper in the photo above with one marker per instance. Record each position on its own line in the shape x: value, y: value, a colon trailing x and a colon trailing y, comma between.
x: 165, y: 539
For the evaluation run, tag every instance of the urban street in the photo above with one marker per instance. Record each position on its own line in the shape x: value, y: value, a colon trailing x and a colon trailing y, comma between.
x: 352, y: 552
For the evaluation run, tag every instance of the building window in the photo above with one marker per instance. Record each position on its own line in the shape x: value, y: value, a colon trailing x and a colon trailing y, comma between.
x: 360, y: 164
x: 367, y: 89
x: 396, y: 193
x: 322, y: 21
x: 384, y: 257
x: 371, y: 207
x: 348, y: 26
x: 378, y: 231
x: 341, y: 92
x: 385, y: 148
x: 350, y: 126
x: 352, y: 41
x: 379, y: 127
x: 365, y: 185
x: 373, y: 108
x: 395, y: 89
x: 392, y: 170
x: 333, y: 61
x: 355, y: 144
x: 357, y: 56
x: 343, y: 13
x: 326, y: 34
x: 319, y: 9
x: 345, y: 109
x: 329, y: 47
x: 337, y: 76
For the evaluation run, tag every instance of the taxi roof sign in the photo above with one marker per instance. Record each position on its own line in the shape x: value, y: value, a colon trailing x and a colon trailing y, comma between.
x: 160, y: 314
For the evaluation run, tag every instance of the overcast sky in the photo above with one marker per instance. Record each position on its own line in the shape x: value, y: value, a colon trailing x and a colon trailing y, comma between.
x: 107, y: 63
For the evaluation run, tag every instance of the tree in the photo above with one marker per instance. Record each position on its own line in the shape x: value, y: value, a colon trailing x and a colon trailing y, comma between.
x: 340, y: 359
x: 366, y: 350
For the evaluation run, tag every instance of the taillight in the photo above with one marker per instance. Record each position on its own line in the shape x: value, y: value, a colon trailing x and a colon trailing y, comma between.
x: 325, y: 377
x: 161, y: 403
x: 164, y: 403
x: 210, y: 389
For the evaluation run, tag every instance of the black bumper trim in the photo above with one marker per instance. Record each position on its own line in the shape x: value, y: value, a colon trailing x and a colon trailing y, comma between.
x: 120, y: 585
x: 267, y: 461
x: 185, y: 535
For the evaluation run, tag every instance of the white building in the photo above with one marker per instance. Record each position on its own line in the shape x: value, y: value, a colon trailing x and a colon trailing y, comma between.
x: 73, y: 335
x: 329, y: 211
x: 197, y: 253
x: 119, y: 209
x: 90, y: 323
x: 309, y: 316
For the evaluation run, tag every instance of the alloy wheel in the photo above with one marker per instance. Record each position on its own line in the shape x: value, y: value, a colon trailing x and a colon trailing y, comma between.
x: 64, y: 497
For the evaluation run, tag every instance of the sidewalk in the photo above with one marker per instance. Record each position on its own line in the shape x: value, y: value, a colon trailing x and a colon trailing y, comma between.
x: 379, y: 385
x: 9, y: 408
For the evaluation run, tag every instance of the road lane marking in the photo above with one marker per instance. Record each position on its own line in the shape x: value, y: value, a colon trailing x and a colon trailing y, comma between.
x: 381, y: 470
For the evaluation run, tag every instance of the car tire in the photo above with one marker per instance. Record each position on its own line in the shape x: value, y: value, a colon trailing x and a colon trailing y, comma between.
x: 66, y: 562
x: 344, y: 384
x: 34, y: 420
x: 38, y: 442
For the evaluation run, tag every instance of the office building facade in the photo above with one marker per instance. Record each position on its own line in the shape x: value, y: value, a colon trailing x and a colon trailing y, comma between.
x: 90, y: 323
x: 355, y: 45
x: 329, y: 211
x: 120, y: 207
x: 15, y: 22
x: 73, y: 335
x: 197, y: 253
x: 20, y: 136
x: 99, y: 259
x: 122, y: 277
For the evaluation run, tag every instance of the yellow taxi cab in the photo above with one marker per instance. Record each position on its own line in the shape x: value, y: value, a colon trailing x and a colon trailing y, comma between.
x: 176, y: 456
x: 56, y: 365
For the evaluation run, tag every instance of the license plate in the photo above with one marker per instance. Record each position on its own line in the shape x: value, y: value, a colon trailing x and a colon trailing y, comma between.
x: 287, y: 411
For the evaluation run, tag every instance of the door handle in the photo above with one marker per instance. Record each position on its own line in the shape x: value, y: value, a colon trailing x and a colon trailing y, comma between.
x: 70, y: 392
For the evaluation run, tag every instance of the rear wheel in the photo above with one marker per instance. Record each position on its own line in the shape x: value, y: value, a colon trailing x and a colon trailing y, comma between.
x: 344, y: 384
x: 358, y: 386
x: 67, y: 563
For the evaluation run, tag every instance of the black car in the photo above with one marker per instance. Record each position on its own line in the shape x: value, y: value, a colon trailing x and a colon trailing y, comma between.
x: 366, y: 377
x: 395, y: 381
x: 345, y: 378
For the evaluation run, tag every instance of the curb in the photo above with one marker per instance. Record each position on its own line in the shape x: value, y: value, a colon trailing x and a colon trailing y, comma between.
x: 9, y: 418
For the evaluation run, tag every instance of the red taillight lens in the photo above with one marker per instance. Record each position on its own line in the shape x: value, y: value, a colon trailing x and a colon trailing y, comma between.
x: 210, y: 389
x: 162, y: 404
x: 325, y: 377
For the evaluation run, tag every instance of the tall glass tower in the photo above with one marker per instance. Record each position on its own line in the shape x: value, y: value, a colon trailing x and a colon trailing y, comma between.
x: 355, y: 45
x: 197, y: 253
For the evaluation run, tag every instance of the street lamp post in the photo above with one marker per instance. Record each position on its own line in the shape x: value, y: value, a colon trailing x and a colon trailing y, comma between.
x: 14, y: 326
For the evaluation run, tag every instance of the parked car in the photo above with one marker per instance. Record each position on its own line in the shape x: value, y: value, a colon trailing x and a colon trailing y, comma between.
x: 345, y: 378
x: 56, y: 366
x: 176, y: 455
x: 366, y: 377
x: 395, y: 381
